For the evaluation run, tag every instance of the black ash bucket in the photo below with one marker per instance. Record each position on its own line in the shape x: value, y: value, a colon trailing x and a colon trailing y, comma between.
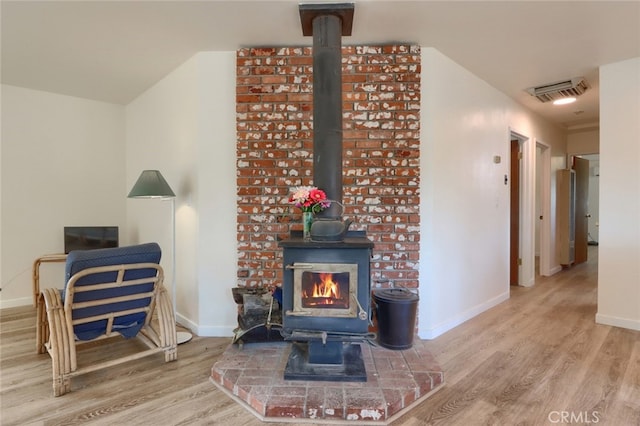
x: 396, y: 311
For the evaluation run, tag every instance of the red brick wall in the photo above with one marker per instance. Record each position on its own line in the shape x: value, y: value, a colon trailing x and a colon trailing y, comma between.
x: 381, y: 150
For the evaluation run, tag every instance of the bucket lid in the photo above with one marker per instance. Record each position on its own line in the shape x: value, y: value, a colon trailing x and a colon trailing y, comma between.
x: 395, y: 295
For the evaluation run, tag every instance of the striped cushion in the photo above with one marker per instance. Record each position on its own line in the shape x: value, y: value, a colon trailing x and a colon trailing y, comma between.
x: 79, y: 260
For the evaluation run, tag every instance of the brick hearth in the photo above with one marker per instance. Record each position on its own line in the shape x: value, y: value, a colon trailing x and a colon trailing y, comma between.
x: 396, y: 380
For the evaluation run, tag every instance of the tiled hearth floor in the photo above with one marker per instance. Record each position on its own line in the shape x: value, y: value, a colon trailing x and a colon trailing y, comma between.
x: 396, y: 380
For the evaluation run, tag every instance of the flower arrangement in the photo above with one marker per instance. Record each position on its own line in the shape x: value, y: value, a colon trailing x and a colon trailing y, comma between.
x: 309, y: 199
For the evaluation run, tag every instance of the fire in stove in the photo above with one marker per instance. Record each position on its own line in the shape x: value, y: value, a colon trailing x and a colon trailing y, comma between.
x: 325, y: 290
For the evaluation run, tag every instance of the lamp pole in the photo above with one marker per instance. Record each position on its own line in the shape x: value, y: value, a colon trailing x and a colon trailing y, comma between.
x: 151, y: 184
x: 181, y: 336
x: 173, y: 258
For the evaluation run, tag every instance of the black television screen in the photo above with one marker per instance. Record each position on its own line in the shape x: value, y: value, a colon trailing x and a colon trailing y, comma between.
x: 89, y: 237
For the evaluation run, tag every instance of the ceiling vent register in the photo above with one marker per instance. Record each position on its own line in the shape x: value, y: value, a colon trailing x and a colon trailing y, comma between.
x: 563, y: 89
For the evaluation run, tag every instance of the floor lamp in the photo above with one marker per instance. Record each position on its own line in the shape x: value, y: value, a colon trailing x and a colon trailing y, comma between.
x: 151, y: 184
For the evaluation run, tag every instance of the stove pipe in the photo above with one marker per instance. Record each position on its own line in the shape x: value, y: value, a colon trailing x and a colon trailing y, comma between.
x: 327, y: 23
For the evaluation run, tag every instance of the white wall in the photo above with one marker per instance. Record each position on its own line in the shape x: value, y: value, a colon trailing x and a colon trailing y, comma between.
x: 619, y: 239
x: 62, y: 164
x: 161, y: 129
x: 583, y: 142
x: 464, y: 202
x: 184, y: 126
x: 217, y: 249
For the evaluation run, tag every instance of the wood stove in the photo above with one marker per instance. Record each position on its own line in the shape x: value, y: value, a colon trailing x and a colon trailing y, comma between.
x: 326, y: 305
x: 326, y: 285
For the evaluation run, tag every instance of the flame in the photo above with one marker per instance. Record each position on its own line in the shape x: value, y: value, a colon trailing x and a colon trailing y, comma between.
x: 326, y: 287
x: 322, y: 289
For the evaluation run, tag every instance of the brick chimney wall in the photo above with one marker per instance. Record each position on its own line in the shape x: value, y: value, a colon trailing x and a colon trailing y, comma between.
x: 381, y: 151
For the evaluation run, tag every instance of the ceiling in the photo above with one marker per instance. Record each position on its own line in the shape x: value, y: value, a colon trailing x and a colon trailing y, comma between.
x: 114, y: 50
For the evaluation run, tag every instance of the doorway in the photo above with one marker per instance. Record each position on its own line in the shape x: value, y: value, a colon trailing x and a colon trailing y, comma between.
x: 543, y: 217
x: 593, y: 200
x: 581, y: 167
x: 522, y: 210
x: 514, y: 217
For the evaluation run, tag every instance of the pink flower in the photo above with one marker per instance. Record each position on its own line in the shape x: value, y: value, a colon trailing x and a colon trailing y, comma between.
x: 309, y: 199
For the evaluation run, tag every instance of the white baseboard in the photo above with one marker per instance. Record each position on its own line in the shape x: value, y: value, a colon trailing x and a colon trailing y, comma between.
x: 216, y: 331
x: 530, y: 283
x: 631, y: 324
x: 207, y: 330
x: 14, y: 303
x: 554, y: 270
x: 186, y: 323
x: 451, y: 323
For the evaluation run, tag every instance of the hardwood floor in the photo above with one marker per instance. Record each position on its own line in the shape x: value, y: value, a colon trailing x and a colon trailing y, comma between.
x: 536, y: 359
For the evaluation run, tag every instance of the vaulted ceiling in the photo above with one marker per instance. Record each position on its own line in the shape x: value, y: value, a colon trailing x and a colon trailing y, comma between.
x: 114, y: 50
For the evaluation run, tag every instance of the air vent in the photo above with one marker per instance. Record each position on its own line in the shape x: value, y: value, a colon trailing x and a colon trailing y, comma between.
x: 563, y: 89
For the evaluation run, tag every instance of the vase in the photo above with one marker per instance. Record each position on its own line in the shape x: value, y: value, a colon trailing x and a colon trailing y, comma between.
x: 307, y: 220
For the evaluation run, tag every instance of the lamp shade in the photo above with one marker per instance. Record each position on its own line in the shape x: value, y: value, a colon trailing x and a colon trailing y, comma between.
x: 151, y: 184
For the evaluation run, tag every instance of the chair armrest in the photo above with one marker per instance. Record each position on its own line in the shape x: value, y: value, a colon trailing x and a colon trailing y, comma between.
x: 61, y: 339
x: 47, y: 258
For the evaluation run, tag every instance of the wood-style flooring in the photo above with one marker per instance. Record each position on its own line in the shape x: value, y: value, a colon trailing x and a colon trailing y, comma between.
x: 537, y: 359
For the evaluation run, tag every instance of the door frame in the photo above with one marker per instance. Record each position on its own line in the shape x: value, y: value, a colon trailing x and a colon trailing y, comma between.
x: 582, y: 170
x: 527, y: 246
x: 515, y: 206
x: 545, y: 200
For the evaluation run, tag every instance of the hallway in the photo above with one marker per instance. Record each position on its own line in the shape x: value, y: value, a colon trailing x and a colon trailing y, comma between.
x: 536, y: 357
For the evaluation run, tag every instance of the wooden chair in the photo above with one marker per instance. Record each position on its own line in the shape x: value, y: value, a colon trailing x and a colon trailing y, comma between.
x: 108, y: 292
